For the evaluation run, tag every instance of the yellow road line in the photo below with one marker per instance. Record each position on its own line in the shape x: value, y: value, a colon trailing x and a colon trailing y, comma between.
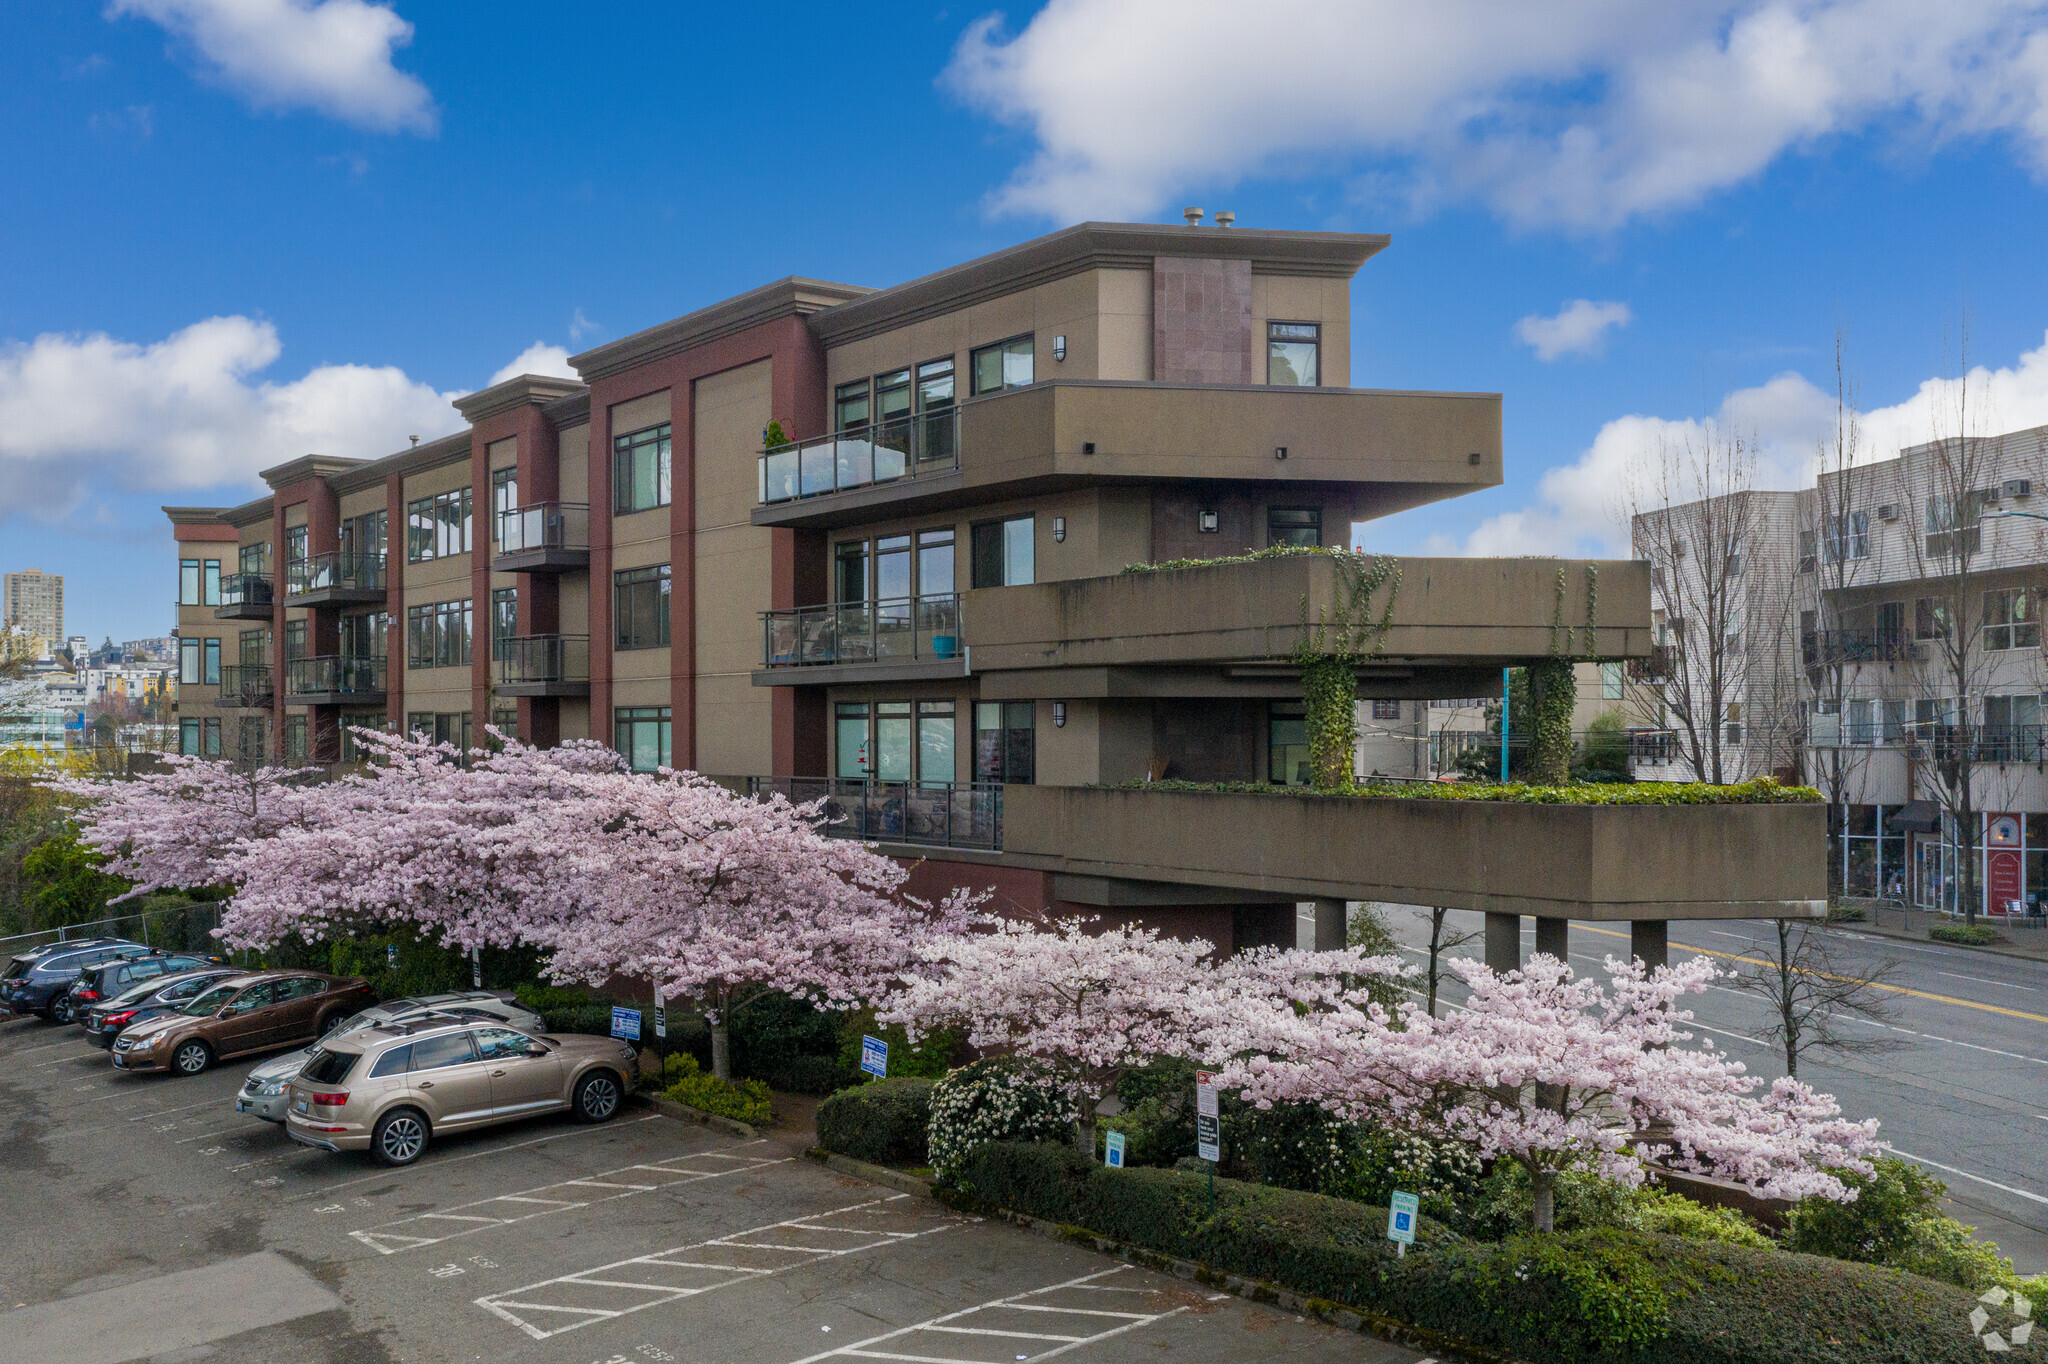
x: 1895, y: 989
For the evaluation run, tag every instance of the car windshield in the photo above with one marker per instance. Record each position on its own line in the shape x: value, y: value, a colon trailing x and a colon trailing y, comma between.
x: 328, y: 1067
x: 135, y: 994
x: 211, y: 1002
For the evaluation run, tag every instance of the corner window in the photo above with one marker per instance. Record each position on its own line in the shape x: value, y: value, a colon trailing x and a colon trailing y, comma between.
x: 1294, y: 526
x: 1006, y: 364
x: 1004, y: 552
x: 1292, y: 352
x: 640, y: 598
x: 641, y: 736
x: 640, y: 470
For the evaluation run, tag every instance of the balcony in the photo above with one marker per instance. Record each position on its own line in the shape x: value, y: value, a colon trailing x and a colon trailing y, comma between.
x: 1413, y: 448
x: 245, y: 686
x: 547, y: 537
x: 1613, y: 862
x: 245, y: 596
x: 335, y: 680
x: 906, y: 447
x: 335, y: 579
x: 937, y: 814
x: 541, y: 665
x: 879, y: 641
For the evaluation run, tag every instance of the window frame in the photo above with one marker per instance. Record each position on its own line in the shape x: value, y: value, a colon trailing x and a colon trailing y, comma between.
x: 1314, y: 342
x: 654, y: 581
x: 657, y: 443
x: 1273, y: 524
x: 628, y: 746
x: 976, y: 531
x: 1004, y: 349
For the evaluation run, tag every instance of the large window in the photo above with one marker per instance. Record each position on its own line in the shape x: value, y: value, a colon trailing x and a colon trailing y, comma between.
x: 640, y: 470
x: 252, y: 648
x: 295, y: 547
x: 1293, y: 350
x: 935, y: 746
x: 1294, y: 526
x: 1848, y: 537
x: 504, y: 496
x: 437, y: 634
x: 199, y: 582
x: 1006, y: 364
x: 850, y: 406
x: 254, y: 559
x: 295, y: 745
x: 504, y: 618
x: 362, y: 537
x: 1930, y: 618
x: 850, y: 739
x: 640, y: 607
x: 2012, y: 619
x: 364, y: 634
x: 850, y: 571
x: 641, y: 735
x: 1005, y: 741
x: 1003, y: 552
x: 199, y: 662
x: 249, y: 737
x: 437, y: 527
x: 935, y: 561
x: 443, y: 727
x: 1287, y: 757
x: 294, y: 640
x: 1612, y: 678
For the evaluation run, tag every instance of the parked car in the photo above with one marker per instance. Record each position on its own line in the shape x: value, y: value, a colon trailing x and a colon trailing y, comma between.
x: 98, y: 983
x: 391, y: 1089
x: 151, y: 999
x: 265, y: 1011
x: 38, y: 982
x: 263, y: 1093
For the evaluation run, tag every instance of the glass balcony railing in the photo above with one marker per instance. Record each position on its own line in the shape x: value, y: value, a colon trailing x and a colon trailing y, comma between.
x: 902, y: 447
x: 953, y: 814
x: 544, y: 525
x: 528, y: 659
x: 335, y: 674
x: 246, y: 589
x: 244, y: 686
x: 332, y: 571
x: 893, y: 630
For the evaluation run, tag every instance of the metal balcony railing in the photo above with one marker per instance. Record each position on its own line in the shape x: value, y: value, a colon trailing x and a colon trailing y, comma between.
x: 943, y: 814
x: 246, y: 589
x: 333, y: 570
x: 334, y: 674
x: 1448, y: 746
x: 544, y: 525
x: 898, y: 629
x: 244, y: 686
x: 524, y: 659
x: 901, y: 447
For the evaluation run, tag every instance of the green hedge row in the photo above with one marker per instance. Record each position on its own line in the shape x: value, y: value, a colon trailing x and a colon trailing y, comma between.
x: 1602, y: 1297
x: 1970, y: 935
x: 883, y: 1122
x: 1762, y: 791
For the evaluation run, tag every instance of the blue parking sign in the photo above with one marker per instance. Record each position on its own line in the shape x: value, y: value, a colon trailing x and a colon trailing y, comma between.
x: 625, y: 1023
x: 874, y: 1056
x: 1402, y: 1210
x: 1113, y: 1151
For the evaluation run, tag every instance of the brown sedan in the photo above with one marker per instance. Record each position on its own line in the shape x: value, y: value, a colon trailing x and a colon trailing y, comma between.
x: 266, y: 1011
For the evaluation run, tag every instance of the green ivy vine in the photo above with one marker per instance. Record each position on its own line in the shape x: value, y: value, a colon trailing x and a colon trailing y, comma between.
x: 1329, y: 653
x: 1552, y: 691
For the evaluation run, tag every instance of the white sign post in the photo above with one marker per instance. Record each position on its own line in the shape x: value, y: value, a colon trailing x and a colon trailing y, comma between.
x: 1208, y: 1128
x: 660, y: 1014
x: 476, y: 968
x: 1402, y: 1210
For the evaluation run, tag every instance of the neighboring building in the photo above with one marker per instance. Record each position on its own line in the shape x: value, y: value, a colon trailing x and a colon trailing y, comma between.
x: 33, y: 600
x: 162, y: 649
x: 917, y: 605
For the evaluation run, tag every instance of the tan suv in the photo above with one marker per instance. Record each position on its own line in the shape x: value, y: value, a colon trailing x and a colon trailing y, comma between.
x: 265, y: 1011
x: 390, y: 1089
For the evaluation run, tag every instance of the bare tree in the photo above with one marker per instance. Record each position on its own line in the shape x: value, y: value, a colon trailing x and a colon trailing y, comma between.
x: 1442, y: 940
x: 1811, y: 994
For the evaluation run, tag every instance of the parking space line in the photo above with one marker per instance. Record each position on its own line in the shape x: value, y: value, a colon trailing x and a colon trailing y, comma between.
x: 546, y: 1295
x: 943, y: 1325
x: 326, y: 1189
x: 385, y: 1240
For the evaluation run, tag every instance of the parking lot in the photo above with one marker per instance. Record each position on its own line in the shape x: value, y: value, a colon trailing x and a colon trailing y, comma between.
x: 146, y: 1220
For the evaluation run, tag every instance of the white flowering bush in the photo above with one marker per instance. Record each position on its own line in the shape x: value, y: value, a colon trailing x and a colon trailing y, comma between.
x: 1002, y: 1099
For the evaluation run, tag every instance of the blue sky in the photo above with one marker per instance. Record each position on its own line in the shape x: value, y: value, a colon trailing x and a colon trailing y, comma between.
x: 237, y: 230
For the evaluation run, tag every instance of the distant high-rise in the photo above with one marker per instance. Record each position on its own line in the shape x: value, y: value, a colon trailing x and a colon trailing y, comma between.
x: 35, y: 601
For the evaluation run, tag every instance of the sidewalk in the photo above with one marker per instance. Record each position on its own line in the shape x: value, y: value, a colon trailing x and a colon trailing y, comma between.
x: 1910, y: 925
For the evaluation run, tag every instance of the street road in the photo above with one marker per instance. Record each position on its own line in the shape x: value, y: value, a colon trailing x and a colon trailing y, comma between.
x: 1960, y: 1086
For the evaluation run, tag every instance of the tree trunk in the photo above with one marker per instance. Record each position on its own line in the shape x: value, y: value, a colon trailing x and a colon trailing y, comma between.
x: 1544, y: 1185
x: 721, y: 1049
x: 1084, y: 1135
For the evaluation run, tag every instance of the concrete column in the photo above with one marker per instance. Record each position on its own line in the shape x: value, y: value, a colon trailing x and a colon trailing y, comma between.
x: 1552, y: 938
x: 1504, y: 942
x: 1332, y: 926
x: 1647, y: 941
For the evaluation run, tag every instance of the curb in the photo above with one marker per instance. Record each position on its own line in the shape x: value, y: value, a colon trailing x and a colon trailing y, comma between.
x: 1253, y: 1290
x: 2011, y: 952
x: 669, y: 1108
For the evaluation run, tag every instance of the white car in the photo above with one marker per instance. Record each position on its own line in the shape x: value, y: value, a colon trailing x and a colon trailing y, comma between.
x: 264, y: 1094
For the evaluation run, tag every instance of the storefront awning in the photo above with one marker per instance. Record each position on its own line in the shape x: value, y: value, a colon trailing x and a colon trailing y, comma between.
x: 1916, y: 816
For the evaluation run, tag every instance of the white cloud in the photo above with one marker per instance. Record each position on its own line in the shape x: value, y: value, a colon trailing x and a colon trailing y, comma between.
x: 1578, y: 113
x: 581, y: 326
x: 538, y: 358
x: 80, y: 415
x: 332, y: 56
x: 1579, y: 328
x: 1578, y: 507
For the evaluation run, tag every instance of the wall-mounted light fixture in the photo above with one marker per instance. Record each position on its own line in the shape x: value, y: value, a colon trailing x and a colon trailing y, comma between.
x: 1087, y: 447
x: 1279, y: 452
x: 1059, y: 348
x: 1206, y: 522
x: 1059, y: 529
x: 1059, y: 715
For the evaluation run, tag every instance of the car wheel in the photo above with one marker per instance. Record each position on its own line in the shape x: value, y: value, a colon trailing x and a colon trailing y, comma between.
x: 399, y: 1137
x: 597, y: 1096
x: 191, y: 1057
x: 328, y: 1022
x: 60, y: 1010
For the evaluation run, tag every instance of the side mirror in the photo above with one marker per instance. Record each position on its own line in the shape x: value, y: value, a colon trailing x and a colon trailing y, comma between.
x: 226, y: 1011
x: 537, y: 1049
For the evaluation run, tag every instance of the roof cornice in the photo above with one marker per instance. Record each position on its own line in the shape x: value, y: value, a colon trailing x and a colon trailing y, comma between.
x: 431, y: 454
x: 305, y: 467
x: 791, y: 297
x: 526, y: 390
x: 564, y: 413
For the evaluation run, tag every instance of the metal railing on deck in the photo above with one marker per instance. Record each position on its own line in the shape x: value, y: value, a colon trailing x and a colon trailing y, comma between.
x: 544, y: 525
x: 245, y: 589
x: 329, y: 674
x: 322, y: 572
x: 944, y: 814
x: 541, y: 658
x: 895, y: 629
x: 900, y: 447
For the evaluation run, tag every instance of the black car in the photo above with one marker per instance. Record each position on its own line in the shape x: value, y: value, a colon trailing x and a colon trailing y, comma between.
x: 39, y: 982
x: 151, y: 999
x: 98, y: 983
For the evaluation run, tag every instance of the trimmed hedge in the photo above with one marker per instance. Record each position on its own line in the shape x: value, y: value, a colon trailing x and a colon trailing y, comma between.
x: 1762, y: 791
x: 1602, y: 1297
x: 882, y: 1123
x: 1969, y: 935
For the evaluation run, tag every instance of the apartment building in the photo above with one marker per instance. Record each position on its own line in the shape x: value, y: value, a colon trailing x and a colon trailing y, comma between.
x: 878, y: 545
x: 33, y: 600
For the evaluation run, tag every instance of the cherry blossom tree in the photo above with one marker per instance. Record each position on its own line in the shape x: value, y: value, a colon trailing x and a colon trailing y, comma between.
x: 1558, y: 1074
